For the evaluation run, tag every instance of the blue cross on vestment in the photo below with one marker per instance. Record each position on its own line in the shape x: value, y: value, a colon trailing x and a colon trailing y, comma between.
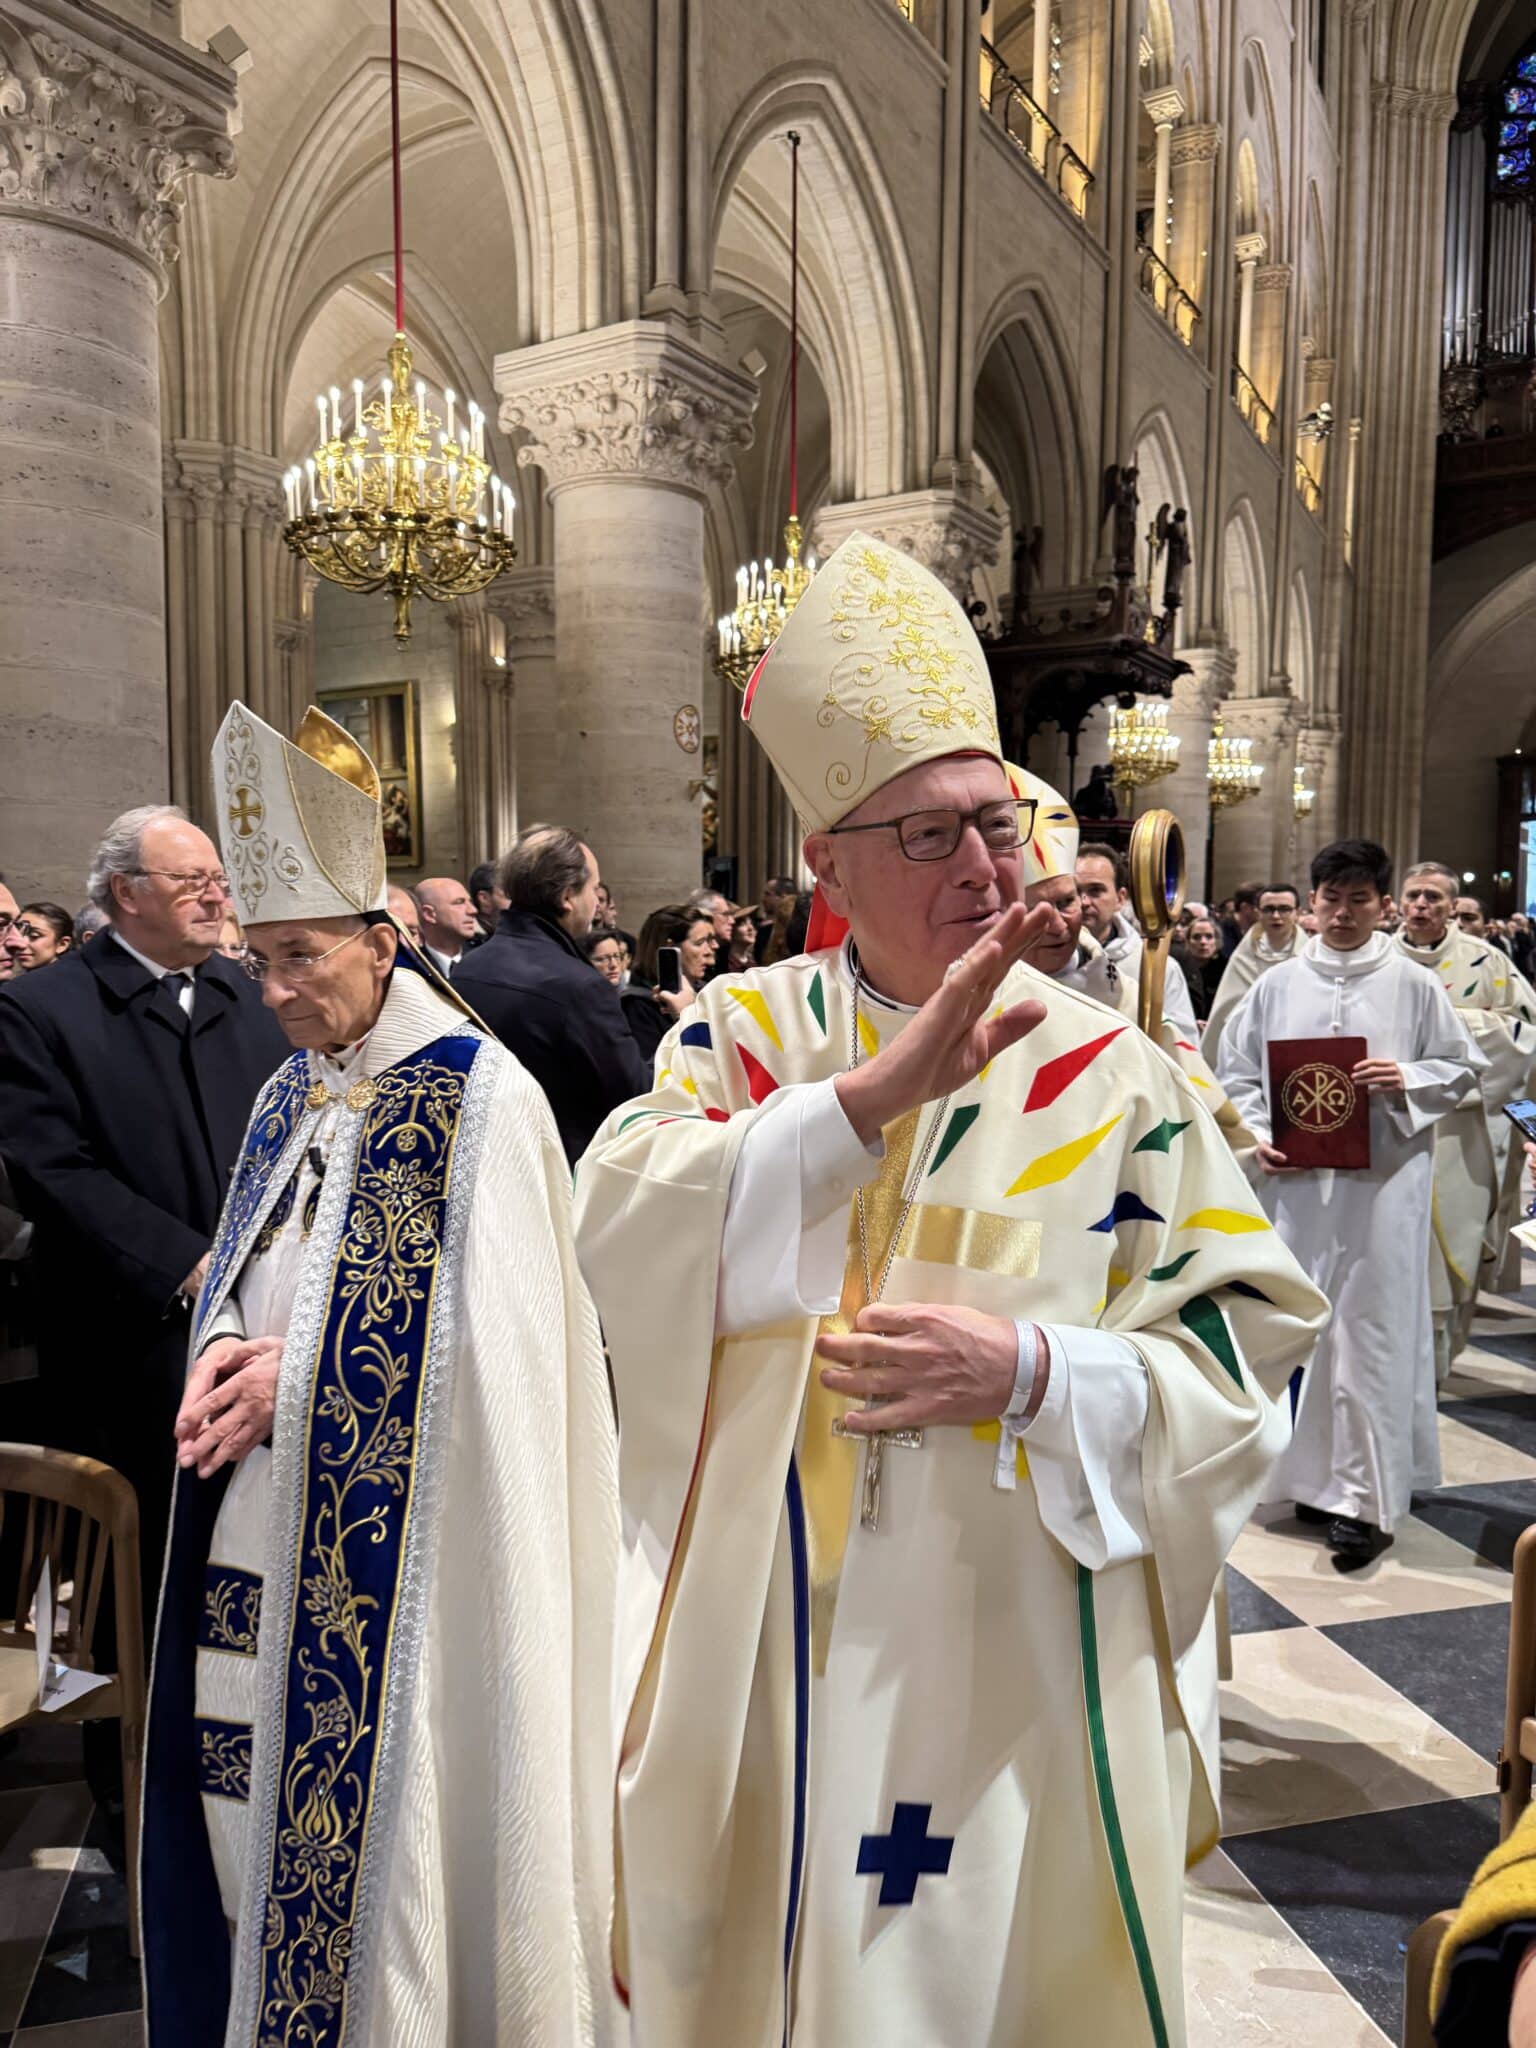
x: 907, y: 1853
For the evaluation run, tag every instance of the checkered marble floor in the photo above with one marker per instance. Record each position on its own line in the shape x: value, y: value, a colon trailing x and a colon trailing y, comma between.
x: 1358, y: 1736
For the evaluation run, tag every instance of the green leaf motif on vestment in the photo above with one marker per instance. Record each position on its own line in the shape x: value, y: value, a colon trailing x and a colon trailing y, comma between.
x: 1174, y: 1269
x: 1161, y: 1140
x: 1203, y: 1319
x: 816, y: 1002
x: 954, y: 1131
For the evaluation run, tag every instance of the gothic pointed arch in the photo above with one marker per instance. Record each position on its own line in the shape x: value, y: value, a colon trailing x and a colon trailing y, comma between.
x: 1029, y: 429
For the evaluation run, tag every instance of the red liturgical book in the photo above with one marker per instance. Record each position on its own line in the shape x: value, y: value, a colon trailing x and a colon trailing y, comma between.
x: 1317, y: 1114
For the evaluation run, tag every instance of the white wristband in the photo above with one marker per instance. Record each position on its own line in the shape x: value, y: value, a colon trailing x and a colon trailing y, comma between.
x: 1024, y: 1378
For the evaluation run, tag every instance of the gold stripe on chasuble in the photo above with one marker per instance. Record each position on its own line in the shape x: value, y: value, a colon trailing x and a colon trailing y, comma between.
x: 829, y: 1465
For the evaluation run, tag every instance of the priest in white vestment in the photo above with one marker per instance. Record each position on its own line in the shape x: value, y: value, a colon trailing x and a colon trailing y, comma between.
x: 1106, y: 916
x: 1366, y: 1433
x: 1477, y: 1168
x: 379, y: 1751
x: 918, y: 1736
x: 1275, y: 936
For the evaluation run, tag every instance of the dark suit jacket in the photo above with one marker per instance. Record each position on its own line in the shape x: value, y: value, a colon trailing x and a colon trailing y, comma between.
x: 536, y: 990
x: 120, y: 1123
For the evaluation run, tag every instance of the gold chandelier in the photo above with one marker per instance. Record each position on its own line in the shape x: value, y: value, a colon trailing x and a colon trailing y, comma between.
x: 407, y: 501
x: 765, y: 594
x: 1302, y: 798
x: 1141, y: 748
x: 1231, y: 771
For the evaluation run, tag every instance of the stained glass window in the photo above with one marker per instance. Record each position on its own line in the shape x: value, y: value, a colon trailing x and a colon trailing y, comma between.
x: 1514, y: 160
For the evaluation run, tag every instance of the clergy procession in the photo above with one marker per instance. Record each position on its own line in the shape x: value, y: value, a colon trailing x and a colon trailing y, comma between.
x: 759, y: 1580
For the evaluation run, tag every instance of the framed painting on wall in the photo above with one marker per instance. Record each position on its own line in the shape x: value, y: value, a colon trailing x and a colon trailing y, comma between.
x: 381, y: 717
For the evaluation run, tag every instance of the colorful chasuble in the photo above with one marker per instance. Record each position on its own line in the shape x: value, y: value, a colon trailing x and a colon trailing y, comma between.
x: 331, y: 1690
x: 957, y: 1802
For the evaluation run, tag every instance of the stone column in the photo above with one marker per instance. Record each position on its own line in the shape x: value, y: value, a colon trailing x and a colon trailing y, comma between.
x: 525, y: 604
x: 1317, y: 752
x: 1165, y: 110
x: 1384, y: 677
x: 1192, y: 156
x: 225, y: 514
x: 1316, y: 391
x: 1250, y: 253
x: 101, y: 122
x: 1271, y: 285
x: 948, y: 531
x: 1186, y: 792
x: 482, y: 734
x: 1253, y: 838
x: 632, y: 426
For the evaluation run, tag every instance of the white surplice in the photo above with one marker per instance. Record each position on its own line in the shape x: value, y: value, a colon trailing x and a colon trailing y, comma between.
x: 1365, y: 1434
x: 1251, y: 957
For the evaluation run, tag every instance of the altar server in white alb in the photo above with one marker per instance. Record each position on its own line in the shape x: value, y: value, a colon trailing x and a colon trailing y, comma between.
x: 379, y: 1762
x: 1476, y: 1164
x: 1365, y: 1428
x: 917, y: 1736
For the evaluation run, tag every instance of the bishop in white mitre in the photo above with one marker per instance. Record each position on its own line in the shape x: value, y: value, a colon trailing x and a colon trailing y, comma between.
x: 1366, y: 1435
x: 1477, y: 1168
x: 916, y: 1702
x: 379, y: 1756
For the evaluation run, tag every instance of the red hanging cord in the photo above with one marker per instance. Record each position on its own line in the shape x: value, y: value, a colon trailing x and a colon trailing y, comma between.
x: 394, y: 129
x: 794, y: 323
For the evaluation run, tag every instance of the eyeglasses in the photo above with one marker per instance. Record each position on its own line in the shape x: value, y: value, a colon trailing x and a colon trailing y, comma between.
x: 196, y: 883
x: 297, y: 970
x: 933, y: 835
x: 30, y: 932
x: 7, y: 919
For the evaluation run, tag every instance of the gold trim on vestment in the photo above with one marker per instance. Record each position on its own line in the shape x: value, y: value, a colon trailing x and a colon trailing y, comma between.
x: 829, y: 1465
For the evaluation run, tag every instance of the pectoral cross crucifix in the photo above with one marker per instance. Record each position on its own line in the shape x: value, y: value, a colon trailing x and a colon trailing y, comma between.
x: 874, y: 1460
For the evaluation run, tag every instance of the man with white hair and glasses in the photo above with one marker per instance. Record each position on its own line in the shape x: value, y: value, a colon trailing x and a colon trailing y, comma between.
x: 127, y: 1073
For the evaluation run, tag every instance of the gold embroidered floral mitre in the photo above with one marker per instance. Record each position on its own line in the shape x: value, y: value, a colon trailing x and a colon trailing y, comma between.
x: 1051, y: 846
x: 876, y: 671
x: 300, y: 823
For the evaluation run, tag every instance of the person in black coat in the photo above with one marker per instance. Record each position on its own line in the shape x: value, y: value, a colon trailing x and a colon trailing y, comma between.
x: 532, y: 985
x: 648, y: 1010
x: 127, y: 1075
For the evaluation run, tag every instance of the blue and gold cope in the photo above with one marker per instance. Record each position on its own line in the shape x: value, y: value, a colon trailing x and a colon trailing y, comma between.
x: 338, y: 1653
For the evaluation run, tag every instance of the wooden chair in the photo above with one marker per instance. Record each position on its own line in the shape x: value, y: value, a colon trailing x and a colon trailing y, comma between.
x: 1517, y: 1754
x: 75, y: 1513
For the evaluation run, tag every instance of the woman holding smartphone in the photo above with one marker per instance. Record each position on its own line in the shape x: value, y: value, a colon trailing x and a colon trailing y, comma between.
x: 675, y: 953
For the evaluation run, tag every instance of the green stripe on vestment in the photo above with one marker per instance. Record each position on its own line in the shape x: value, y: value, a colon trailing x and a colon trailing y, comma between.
x: 1098, y: 1743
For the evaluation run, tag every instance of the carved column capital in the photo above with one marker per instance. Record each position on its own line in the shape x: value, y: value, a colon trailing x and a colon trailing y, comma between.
x: 1407, y: 103
x: 1267, y: 721
x: 1197, y: 142
x: 1249, y: 249
x: 1272, y: 277
x: 524, y: 601
x: 101, y: 123
x: 1165, y: 108
x: 636, y: 400
x: 950, y: 534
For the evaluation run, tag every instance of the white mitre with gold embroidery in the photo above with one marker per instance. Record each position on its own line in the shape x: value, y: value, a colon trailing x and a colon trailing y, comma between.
x: 300, y: 824
x: 1051, y: 848
x: 877, y: 670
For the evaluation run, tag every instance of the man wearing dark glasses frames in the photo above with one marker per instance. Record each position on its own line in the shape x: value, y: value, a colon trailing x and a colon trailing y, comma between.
x: 919, y: 1275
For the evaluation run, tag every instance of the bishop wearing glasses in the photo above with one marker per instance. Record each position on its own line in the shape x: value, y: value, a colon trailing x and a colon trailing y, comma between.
x: 949, y: 1346
x: 378, y: 1749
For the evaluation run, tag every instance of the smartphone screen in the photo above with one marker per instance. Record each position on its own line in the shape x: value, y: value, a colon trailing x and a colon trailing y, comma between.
x: 669, y: 970
x: 1523, y: 1116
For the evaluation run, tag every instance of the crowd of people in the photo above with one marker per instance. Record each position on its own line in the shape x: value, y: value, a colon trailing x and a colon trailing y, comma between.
x: 234, y: 1133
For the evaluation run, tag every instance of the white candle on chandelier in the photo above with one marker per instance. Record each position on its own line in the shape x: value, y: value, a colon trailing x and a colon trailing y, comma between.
x: 508, y: 507
x: 357, y: 406
x: 309, y: 466
x: 453, y: 490
x: 741, y: 586
x: 448, y: 396
x: 389, y: 411
x: 421, y: 483
x: 421, y: 407
x: 335, y: 414
x: 496, y: 502
x: 389, y: 480
x: 324, y: 436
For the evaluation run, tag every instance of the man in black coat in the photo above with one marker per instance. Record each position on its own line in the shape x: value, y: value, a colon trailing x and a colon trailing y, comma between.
x: 532, y: 984
x: 127, y: 1074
